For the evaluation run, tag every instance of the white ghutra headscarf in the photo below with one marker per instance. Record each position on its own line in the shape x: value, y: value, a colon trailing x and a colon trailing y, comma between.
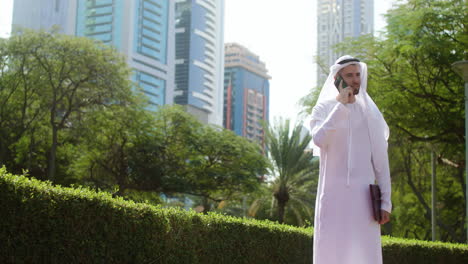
x: 378, y: 128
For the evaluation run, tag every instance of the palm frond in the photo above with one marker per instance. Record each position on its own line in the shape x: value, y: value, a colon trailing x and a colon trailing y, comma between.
x: 292, y: 167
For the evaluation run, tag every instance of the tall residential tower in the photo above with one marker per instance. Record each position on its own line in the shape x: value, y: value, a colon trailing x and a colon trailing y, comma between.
x: 142, y: 30
x: 246, y: 93
x: 200, y: 58
x: 336, y: 21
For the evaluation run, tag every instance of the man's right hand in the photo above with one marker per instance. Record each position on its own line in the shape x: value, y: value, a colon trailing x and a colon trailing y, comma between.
x: 385, y: 217
x: 346, y: 95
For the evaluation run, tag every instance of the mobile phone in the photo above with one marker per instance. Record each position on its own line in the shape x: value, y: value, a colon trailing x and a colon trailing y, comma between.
x: 338, y: 81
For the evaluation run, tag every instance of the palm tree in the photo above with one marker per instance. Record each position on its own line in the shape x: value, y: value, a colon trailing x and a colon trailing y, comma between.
x: 292, y: 168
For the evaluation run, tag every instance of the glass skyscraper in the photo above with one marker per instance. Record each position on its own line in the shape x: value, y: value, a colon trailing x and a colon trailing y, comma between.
x: 200, y: 58
x: 336, y: 21
x: 143, y: 30
x: 246, y: 93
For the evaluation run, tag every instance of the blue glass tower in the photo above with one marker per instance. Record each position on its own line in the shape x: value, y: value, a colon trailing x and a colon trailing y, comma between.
x: 246, y: 93
x: 200, y: 59
x: 142, y: 30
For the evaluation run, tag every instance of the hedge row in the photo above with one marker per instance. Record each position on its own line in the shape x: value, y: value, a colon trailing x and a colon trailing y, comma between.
x: 412, y: 251
x: 41, y: 223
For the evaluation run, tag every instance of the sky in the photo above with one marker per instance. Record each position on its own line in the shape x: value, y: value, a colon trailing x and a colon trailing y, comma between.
x: 282, y: 35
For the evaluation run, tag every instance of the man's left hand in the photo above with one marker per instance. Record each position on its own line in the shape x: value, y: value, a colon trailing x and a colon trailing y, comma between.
x: 385, y: 217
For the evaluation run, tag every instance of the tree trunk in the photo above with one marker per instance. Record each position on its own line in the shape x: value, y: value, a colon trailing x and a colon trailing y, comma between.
x: 420, y: 197
x: 3, y: 152
x: 53, y: 154
x: 206, y: 205
x: 282, y: 197
x: 281, y: 210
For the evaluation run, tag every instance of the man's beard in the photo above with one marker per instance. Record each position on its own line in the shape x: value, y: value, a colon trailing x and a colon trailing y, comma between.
x: 356, y: 91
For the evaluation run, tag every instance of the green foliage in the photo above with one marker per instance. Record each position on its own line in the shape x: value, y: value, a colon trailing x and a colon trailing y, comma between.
x: 68, y: 114
x: 107, y: 139
x: 292, y: 171
x: 48, y: 84
x: 309, y: 101
x: 410, y: 251
x: 202, y: 160
x: 226, y: 164
x: 42, y: 223
x: 168, y: 151
x: 421, y: 98
x: 83, y: 226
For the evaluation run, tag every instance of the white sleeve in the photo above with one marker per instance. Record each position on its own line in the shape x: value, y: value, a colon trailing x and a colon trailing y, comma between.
x: 323, y: 124
x: 382, y: 174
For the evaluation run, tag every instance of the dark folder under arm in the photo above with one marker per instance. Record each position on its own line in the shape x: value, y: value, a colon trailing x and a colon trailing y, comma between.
x: 376, y: 201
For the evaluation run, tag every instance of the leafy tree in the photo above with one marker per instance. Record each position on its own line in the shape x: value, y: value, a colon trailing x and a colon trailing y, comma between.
x: 67, y: 110
x: 61, y: 79
x: 226, y: 165
x: 104, y: 156
x: 20, y: 112
x: 204, y: 161
x: 161, y: 156
x: 168, y: 152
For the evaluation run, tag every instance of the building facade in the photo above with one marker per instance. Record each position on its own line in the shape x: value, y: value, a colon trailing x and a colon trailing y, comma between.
x: 246, y: 93
x: 336, y: 21
x: 200, y: 58
x: 142, y: 30
x: 44, y: 15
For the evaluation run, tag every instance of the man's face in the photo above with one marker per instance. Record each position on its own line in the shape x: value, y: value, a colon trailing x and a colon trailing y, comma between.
x: 351, y: 74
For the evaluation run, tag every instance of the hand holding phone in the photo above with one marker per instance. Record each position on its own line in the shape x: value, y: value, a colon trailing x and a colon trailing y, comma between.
x: 344, y: 96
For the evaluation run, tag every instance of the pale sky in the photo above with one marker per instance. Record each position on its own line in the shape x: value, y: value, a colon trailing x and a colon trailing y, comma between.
x: 281, y: 32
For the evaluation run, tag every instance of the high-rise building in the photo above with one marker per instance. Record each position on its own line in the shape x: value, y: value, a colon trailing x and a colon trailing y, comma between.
x: 246, y: 93
x: 336, y: 21
x: 44, y: 15
x: 200, y: 58
x: 142, y: 30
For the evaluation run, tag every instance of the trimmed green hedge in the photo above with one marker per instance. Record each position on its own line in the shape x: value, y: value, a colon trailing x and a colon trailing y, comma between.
x: 412, y: 251
x: 41, y: 223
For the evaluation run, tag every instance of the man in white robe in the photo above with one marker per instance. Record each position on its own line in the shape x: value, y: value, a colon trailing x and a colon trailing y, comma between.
x: 350, y: 135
